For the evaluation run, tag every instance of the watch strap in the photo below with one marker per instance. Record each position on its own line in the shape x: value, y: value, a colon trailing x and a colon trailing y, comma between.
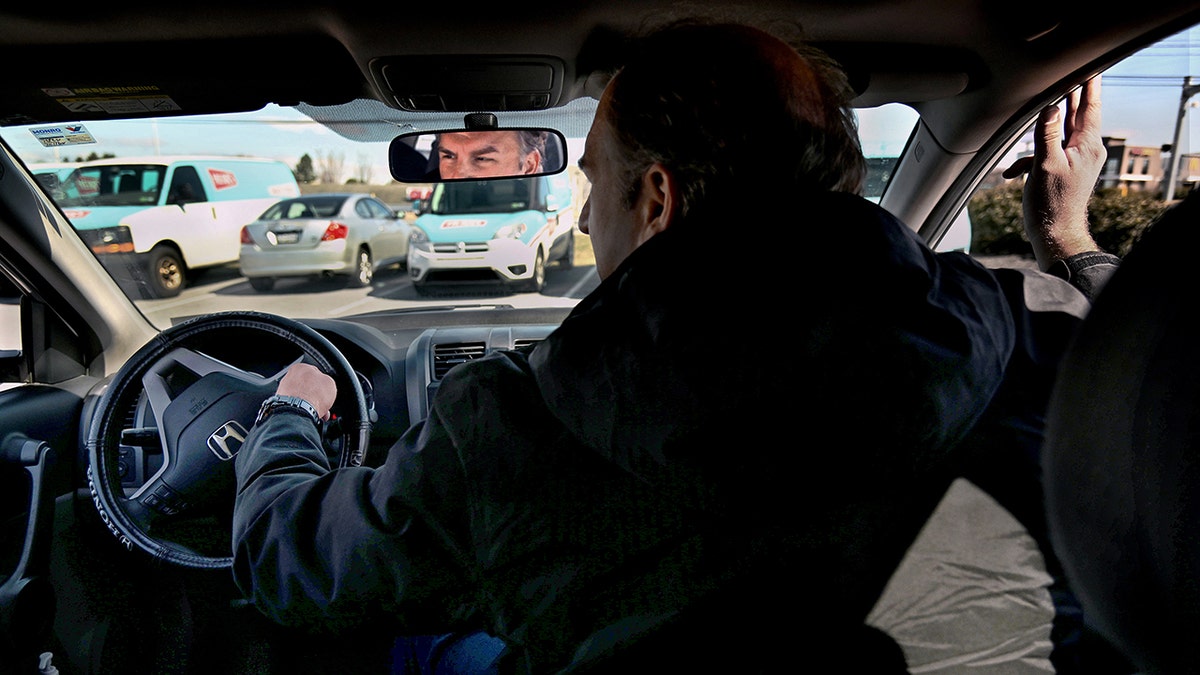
x: 1069, y: 268
x: 279, y: 402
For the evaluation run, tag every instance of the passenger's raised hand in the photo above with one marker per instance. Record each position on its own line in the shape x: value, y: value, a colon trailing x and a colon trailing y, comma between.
x: 1068, y: 157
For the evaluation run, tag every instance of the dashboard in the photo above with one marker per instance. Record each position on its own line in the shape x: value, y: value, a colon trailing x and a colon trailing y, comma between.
x: 399, y: 356
x: 403, y: 355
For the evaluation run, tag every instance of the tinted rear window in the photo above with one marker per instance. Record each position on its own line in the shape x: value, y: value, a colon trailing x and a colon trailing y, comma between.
x: 305, y: 207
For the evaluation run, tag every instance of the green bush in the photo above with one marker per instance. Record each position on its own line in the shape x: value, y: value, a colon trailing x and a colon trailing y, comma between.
x: 997, y: 224
x: 1117, y: 219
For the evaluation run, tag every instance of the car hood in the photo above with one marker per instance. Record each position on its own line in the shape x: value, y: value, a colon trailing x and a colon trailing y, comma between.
x: 450, y: 228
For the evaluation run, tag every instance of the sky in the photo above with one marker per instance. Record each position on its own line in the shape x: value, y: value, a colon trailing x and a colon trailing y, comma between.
x: 1141, y: 98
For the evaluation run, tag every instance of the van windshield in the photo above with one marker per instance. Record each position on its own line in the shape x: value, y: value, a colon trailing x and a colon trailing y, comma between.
x: 498, y: 196
x: 113, y: 185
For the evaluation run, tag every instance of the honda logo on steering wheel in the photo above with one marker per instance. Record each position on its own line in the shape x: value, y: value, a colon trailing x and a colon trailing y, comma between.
x: 226, y: 441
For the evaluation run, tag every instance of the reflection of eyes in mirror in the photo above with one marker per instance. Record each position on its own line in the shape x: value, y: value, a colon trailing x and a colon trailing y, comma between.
x: 471, y: 155
x: 479, y: 154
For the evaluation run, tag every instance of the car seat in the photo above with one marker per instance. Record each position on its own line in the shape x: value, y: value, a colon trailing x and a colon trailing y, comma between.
x: 1122, y: 453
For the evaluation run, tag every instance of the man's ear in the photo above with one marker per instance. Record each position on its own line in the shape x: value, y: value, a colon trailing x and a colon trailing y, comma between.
x: 532, y: 162
x: 658, y: 201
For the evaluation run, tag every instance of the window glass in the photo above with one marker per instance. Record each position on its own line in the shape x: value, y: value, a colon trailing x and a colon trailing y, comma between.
x: 883, y: 132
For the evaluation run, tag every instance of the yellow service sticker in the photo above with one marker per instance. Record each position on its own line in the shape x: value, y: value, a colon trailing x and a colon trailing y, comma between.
x: 62, y: 134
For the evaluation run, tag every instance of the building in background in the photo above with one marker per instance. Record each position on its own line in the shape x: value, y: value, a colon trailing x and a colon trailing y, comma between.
x: 1133, y: 168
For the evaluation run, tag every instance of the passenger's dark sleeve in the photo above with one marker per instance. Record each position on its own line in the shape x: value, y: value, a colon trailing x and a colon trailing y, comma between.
x: 326, y: 549
x: 1086, y: 271
x: 1004, y: 450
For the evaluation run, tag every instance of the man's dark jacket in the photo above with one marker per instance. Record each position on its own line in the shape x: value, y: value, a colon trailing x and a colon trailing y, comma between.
x: 730, y: 443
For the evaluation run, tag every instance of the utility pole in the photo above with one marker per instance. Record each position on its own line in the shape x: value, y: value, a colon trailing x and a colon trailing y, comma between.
x: 1189, y: 90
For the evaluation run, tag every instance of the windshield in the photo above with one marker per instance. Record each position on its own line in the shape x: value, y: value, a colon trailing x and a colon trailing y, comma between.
x: 501, y: 196
x: 112, y: 185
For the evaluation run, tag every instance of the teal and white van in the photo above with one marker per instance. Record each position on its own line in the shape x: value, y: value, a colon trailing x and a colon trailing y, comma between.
x: 151, y: 220
x: 497, y: 230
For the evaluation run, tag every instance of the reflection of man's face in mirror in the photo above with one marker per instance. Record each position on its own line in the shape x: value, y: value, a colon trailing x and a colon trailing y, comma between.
x: 476, y: 154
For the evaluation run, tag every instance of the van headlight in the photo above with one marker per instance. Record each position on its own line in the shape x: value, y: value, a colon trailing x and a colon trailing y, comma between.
x: 418, y: 240
x: 110, y: 240
x: 514, y: 231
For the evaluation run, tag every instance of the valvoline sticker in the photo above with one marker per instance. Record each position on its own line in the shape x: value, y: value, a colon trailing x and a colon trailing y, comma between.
x: 222, y: 179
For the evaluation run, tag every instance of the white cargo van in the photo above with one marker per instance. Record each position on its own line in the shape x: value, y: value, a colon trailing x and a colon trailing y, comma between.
x: 152, y: 220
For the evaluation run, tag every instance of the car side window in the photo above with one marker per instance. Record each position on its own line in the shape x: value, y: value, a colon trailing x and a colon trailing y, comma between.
x: 379, y: 209
x: 186, y: 187
x: 363, y: 209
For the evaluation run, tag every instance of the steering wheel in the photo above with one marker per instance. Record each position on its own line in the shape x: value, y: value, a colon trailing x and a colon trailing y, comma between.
x: 165, y: 431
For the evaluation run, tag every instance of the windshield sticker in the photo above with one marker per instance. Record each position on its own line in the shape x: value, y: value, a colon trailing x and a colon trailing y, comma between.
x: 450, y: 224
x: 113, y: 100
x: 222, y: 179
x: 62, y: 134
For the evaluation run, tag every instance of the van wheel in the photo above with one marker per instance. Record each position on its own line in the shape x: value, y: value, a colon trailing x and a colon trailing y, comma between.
x: 567, y: 261
x: 262, y: 284
x: 166, y: 272
x: 364, y: 270
x: 538, y: 281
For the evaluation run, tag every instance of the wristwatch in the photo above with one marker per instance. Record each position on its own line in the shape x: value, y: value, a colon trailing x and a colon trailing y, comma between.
x: 278, y: 402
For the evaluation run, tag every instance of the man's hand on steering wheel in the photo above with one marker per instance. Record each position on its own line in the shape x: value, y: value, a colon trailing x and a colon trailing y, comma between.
x: 309, y: 383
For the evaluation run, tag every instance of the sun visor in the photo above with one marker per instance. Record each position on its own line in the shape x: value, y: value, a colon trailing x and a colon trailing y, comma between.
x: 884, y: 87
x: 883, y: 73
x: 94, y: 82
x: 371, y: 121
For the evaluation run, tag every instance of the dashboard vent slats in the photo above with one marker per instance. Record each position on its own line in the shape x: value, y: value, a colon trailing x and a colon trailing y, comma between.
x: 446, y: 356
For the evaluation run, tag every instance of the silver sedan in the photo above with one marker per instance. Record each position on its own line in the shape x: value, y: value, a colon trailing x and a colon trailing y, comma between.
x: 348, y: 234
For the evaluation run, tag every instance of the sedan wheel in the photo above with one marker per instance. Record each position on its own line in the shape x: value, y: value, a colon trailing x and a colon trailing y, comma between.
x: 364, y: 272
x: 262, y: 284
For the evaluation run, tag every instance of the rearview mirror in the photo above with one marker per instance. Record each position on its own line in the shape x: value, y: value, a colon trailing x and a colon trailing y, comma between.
x: 440, y: 156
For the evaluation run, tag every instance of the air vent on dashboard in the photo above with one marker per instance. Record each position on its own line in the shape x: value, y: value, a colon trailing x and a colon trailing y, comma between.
x: 446, y: 356
x: 525, y: 342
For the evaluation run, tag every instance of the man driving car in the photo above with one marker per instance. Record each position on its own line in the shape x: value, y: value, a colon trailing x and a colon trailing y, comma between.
x: 617, y: 495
